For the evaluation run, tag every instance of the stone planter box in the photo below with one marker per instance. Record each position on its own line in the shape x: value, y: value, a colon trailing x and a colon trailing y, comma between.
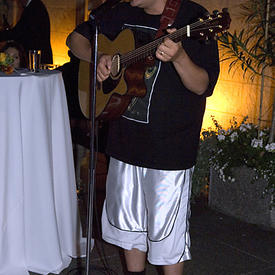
x: 242, y: 199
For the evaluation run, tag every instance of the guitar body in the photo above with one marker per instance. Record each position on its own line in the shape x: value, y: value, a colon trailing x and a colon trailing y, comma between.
x: 115, y: 93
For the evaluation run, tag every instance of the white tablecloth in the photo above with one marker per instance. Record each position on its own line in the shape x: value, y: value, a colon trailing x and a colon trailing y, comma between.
x: 39, y: 223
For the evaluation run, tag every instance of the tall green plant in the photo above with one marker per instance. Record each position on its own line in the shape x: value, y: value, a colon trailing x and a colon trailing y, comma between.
x: 252, y: 48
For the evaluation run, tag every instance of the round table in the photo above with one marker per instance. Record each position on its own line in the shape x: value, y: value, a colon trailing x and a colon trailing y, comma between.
x: 39, y: 222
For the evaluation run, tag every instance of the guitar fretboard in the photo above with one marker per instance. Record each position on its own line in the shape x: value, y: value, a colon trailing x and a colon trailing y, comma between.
x: 149, y: 49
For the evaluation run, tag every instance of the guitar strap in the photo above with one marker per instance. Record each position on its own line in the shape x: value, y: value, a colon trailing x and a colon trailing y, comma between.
x: 168, y: 16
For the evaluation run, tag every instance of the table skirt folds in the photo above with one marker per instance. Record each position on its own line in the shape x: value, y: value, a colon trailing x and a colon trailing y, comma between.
x: 39, y: 222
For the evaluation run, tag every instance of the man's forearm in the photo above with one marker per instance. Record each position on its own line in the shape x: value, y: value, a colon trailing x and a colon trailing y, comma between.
x: 193, y: 77
x: 80, y: 46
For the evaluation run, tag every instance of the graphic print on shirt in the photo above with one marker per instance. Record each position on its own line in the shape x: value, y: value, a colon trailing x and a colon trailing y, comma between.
x: 139, y: 108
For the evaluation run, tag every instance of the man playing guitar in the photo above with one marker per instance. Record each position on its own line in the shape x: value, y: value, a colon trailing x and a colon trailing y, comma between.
x: 153, y: 144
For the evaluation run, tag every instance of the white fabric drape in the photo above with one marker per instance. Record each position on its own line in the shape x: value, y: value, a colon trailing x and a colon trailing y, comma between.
x: 39, y: 224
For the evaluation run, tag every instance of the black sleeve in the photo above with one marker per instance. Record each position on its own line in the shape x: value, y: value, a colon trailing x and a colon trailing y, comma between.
x: 202, y: 53
x: 209, y: 60
x: 86, y: 29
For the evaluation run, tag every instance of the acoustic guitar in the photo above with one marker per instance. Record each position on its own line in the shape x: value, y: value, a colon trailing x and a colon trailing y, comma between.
x: 129, y: 65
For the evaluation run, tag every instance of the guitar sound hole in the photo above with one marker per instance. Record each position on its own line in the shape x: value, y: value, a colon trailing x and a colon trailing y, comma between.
x: 115, y: 67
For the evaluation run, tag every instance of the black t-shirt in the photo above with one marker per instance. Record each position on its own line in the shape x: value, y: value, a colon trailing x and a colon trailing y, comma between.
x: 160, y: 130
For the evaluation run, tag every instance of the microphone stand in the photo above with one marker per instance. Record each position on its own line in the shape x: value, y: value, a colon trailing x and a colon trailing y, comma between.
x: 92, y: 151
x: 95, y: 19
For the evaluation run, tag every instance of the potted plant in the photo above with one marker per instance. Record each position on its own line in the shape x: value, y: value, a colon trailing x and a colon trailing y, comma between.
x: 239, y: 165
x: 239, y: 162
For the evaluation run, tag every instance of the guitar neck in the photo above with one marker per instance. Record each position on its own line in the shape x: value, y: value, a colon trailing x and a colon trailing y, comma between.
x: 150, y: 48
x: 202, y: 29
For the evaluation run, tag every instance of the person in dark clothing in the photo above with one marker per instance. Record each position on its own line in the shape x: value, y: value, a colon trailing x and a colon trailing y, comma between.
x: 32, y: 30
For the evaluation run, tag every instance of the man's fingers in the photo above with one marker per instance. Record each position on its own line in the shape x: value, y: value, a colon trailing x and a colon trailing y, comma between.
x: 104, y: 67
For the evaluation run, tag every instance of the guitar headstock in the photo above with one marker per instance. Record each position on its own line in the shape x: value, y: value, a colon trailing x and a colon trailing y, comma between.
x: 212, y: 25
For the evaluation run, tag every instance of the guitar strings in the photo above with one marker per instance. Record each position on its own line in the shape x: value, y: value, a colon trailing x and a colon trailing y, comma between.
x: 139, y: 53
x: 143, y: 51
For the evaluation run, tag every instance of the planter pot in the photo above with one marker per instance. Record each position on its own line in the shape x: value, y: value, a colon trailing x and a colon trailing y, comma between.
x: 242, y: 199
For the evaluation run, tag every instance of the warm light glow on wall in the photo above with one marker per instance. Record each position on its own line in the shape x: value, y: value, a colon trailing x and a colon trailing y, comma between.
x: 235, y: 96
x: 59, y: 60
x: 59, y: 48
x: 214, y: 107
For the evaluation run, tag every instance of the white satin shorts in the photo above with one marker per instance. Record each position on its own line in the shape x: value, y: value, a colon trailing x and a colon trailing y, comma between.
x: 148, y: 209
